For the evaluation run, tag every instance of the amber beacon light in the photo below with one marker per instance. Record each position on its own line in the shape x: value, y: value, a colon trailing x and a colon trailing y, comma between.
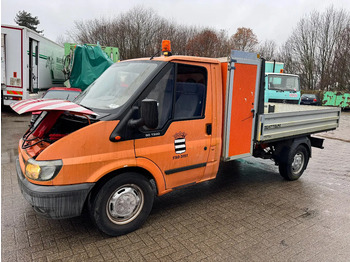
x: 166, y: 47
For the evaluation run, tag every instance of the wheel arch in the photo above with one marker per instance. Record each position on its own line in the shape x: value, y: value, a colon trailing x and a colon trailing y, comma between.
x: 144, y: 167
x: 293, y: 157
x: 305, y: 141
x: 284, y: 147
x: 114, y: 173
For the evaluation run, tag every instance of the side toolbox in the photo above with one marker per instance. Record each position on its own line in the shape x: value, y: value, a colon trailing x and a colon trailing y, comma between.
x: 241, y: 96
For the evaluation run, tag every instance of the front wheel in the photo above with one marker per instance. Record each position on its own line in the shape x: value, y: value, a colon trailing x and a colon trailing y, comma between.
x: 122, y: 204
x: 295, y: 163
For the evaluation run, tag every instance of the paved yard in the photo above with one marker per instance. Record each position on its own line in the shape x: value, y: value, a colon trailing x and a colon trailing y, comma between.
x: 249, y: 213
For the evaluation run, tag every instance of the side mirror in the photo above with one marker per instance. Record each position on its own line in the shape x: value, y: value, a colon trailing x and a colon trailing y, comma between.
x: 149, y: 115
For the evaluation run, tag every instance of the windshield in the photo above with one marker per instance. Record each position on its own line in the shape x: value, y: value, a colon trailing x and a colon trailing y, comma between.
x: 283, y: 82
x: 116, y: 85
x: 308, y: 96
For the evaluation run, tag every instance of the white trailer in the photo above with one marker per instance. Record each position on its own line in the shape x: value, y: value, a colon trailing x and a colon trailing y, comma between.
x: 30, y: 64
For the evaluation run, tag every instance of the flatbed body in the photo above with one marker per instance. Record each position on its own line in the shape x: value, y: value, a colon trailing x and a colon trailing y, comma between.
x: 289, y: 120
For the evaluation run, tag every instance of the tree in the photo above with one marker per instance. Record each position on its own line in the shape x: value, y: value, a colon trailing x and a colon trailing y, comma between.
x: 140, y: 31
x: 206, y: 43
x: 340, y: 63
x: 244, y: 39
x: 268, y: 49
x: 61, y: 39
x: 137, y: 33
x: 26, y: 19
x: 318, y: 50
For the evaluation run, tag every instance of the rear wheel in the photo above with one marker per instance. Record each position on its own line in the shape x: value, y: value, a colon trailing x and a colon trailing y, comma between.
x: 295, y: 163
x: 122, y: 204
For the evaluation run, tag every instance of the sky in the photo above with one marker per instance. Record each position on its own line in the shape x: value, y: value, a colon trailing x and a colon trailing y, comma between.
x: 269, y: 19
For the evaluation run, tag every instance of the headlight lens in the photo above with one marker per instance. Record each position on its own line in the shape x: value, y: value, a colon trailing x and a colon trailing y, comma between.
x: 42, y: 170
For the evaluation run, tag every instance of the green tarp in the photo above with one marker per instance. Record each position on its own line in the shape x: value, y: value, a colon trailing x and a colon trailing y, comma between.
x: 89, y: 63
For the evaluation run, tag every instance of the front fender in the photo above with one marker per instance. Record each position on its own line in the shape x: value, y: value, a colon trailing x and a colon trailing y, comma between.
x: 157, y: 174
x: 141, y: 163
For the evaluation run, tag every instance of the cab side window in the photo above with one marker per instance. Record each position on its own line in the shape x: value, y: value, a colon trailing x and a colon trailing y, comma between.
x: 190, y: 90
x: 180, y: 95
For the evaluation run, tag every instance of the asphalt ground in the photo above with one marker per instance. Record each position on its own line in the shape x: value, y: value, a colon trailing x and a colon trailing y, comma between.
x: 248, y: 213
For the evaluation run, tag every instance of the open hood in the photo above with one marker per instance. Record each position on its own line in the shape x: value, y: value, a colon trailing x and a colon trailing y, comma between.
x: 33, y: 105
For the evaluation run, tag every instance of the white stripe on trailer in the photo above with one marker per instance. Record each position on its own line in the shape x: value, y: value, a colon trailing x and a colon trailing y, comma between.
x: 49, y: 105
x: 60, y: 105
x: 33, y: 105
x: 22, y: 103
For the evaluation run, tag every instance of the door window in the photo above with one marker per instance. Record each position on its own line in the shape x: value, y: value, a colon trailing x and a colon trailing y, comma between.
x: 182, y: 99
x: 190, y: 92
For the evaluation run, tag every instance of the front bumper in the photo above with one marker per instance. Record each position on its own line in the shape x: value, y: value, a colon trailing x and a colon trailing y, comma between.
x: 54, y: 201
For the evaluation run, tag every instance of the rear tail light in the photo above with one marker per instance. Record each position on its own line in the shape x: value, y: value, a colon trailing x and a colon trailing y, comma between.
x: 12, y: 98
x: 315, y: 100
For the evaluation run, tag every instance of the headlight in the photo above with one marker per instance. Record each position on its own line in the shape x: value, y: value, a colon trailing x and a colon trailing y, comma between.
x: 42, y: 170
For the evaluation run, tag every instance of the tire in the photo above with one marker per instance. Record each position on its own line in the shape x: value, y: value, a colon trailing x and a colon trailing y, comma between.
x: 295, y: 163
x: 122, y: 204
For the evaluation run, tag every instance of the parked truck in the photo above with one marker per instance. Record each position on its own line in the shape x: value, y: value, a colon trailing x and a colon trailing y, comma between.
x: 30, y: 63
x: 149, y: 126
x: 280, y: 87
x: 26, y: 75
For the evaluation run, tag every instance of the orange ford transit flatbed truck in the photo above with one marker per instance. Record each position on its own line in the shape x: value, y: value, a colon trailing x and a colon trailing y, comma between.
x: 150, y: 126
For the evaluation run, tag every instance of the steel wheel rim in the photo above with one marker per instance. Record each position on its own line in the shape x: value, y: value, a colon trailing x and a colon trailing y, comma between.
x: 298, y: 163
x: 125, y: 204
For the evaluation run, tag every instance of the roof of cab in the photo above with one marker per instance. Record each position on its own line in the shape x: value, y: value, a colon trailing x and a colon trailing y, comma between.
x: 182, y: 58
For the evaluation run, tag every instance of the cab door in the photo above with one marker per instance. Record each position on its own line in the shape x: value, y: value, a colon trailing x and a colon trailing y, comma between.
x: 180, y: 144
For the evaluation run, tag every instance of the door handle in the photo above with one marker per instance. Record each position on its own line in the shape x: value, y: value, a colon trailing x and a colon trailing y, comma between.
x: 208, y: 129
